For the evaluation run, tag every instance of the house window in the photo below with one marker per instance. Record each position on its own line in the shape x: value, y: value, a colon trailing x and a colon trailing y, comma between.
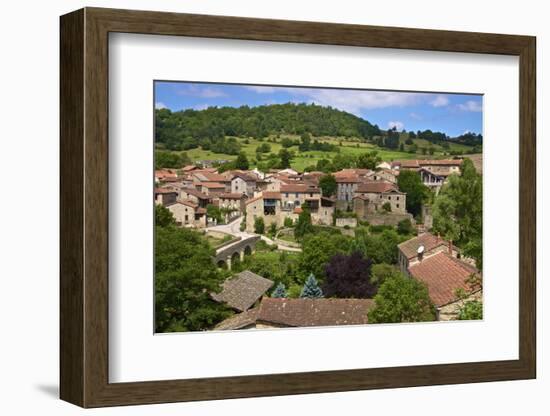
x: 397, y: 198
x: 297, y: 196
x: 397, y: 205
x: 187, y: 218
x: 389, y: 198
x: 286, y: 195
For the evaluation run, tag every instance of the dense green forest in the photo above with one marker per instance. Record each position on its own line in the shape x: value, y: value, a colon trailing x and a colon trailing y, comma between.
x: 215, y: 129
x: 183, y: 130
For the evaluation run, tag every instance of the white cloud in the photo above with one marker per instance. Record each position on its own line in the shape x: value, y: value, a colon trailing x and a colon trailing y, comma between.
x: 159, y: 105
x: 261, y: 89
x: 355, y: 101
x: 203, y: 92
x: 439, y: 101
x: 416, y: 116
x: 200, y: 107
x: 471, y: 105
x: 397, y: 124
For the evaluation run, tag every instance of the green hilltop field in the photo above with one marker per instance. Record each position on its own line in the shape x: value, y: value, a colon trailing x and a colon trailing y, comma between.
x: 224, y: 133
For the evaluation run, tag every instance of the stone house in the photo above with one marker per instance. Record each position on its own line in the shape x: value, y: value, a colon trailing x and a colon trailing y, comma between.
x: 165, y: 196
x: 196, y: 196
x: 414, y: 250
x: 242, y: 183
x: 431, y: 179
x: 444, y: 275
x: 385, y: 175
x: 345, y: 189
x: 243, y: 290
x: 209, y: 188
x: 370, y: 196
x: 236, y: 202
x: 162, y: 175
x: 188, y: 214
x: 298, y: 194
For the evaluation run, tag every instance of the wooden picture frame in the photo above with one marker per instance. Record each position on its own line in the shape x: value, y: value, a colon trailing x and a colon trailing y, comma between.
x: 84, y: 207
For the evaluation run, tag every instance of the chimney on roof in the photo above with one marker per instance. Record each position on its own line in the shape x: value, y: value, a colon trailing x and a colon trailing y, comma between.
x: 420, y: 253
x: 450, y: 247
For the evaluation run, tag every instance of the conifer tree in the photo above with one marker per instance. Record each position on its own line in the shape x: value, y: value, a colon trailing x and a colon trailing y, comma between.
x: 311, y: 289
x: 279, y: 292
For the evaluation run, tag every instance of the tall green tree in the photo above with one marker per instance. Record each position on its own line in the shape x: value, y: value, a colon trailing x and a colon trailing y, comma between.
x: 259, y: 225
x: 368, y: 160
x: 402, y: 299
x: 317, y: 249
x: 311, y: 288
x: 410, y: 183
x: 458, y: 210
x: 184, y: 278
x: 303, y: 225
x: 214, y: 212
x: 241, y: 162
x: 381, y: 248
x: 285, y: 157
x: 163, y: 216
x: 328, y: 185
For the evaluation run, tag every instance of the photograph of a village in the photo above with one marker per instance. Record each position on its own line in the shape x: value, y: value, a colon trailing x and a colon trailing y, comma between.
x: 290, y: 207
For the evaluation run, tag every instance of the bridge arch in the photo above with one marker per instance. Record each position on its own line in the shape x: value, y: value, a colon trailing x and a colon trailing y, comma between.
x: 236, y: 251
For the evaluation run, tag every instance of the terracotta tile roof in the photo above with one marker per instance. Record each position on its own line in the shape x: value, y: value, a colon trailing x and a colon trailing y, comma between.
x: 189, y: 168
x: 205, y: 176
x: 271, y: 195
x: 165, y: 191
x: 376, y: 187
x: 214, y: 185
x: 243, y: 290
x: 201, y: 210
x: 195, y: 192
x: 299, y: 188
x: 187, y: 203
x: 443, y: 274
x: 245, y: 176
x: 165, y: 173
x: 227, y: 195
x: 409, y: 248
x: 239, y: 321
x: 427, y: 162
x: 314, y: 312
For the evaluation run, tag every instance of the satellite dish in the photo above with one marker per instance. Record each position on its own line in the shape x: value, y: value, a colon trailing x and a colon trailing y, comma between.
x: 420, y: 250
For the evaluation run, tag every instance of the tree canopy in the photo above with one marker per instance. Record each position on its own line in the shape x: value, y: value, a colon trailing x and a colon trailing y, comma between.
x: 458, y: 211
x: 402, y: 299
x: 410, y: 183
x: 349, y: 276
x: 184, y: 278
x: 317, y: 249
x: 328, y: 185
x: 311, y: 288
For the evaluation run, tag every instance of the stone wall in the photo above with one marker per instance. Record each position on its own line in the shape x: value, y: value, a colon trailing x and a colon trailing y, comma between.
x: 450, y: 312
x: 388, y: 219
x: 350, y: 222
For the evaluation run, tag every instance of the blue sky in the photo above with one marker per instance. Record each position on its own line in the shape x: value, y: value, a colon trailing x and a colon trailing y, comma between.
x: 452, y: 114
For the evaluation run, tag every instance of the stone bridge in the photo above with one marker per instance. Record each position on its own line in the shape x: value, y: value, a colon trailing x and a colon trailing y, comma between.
x: 236, y: 251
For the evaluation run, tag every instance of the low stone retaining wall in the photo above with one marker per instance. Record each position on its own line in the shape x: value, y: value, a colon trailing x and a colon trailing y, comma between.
x: 388, y: 219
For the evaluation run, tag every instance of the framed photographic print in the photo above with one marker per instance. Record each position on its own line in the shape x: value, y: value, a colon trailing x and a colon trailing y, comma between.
x: 256, y: 207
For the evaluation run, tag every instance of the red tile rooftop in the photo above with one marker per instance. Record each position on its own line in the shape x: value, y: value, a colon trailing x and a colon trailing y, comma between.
x: 443, y: 274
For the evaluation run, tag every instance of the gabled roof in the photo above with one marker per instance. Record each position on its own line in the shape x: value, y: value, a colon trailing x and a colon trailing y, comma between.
x: 443, y: 274
x: 299, y: 188
x: 165, y: 191
x: 409, y: 248
x: 214, y: 185
x: 239, y: 321
x: 195, y: 192
x: 271, y: 195
x: 314, y: 312
x: 186, y: 202
x: 228, y: 195
x: 205, y: 176
x: 376, y: 187
x: 243, y: 290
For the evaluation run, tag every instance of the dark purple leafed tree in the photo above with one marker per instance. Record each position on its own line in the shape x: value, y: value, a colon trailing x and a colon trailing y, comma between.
x: 349, y: 276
